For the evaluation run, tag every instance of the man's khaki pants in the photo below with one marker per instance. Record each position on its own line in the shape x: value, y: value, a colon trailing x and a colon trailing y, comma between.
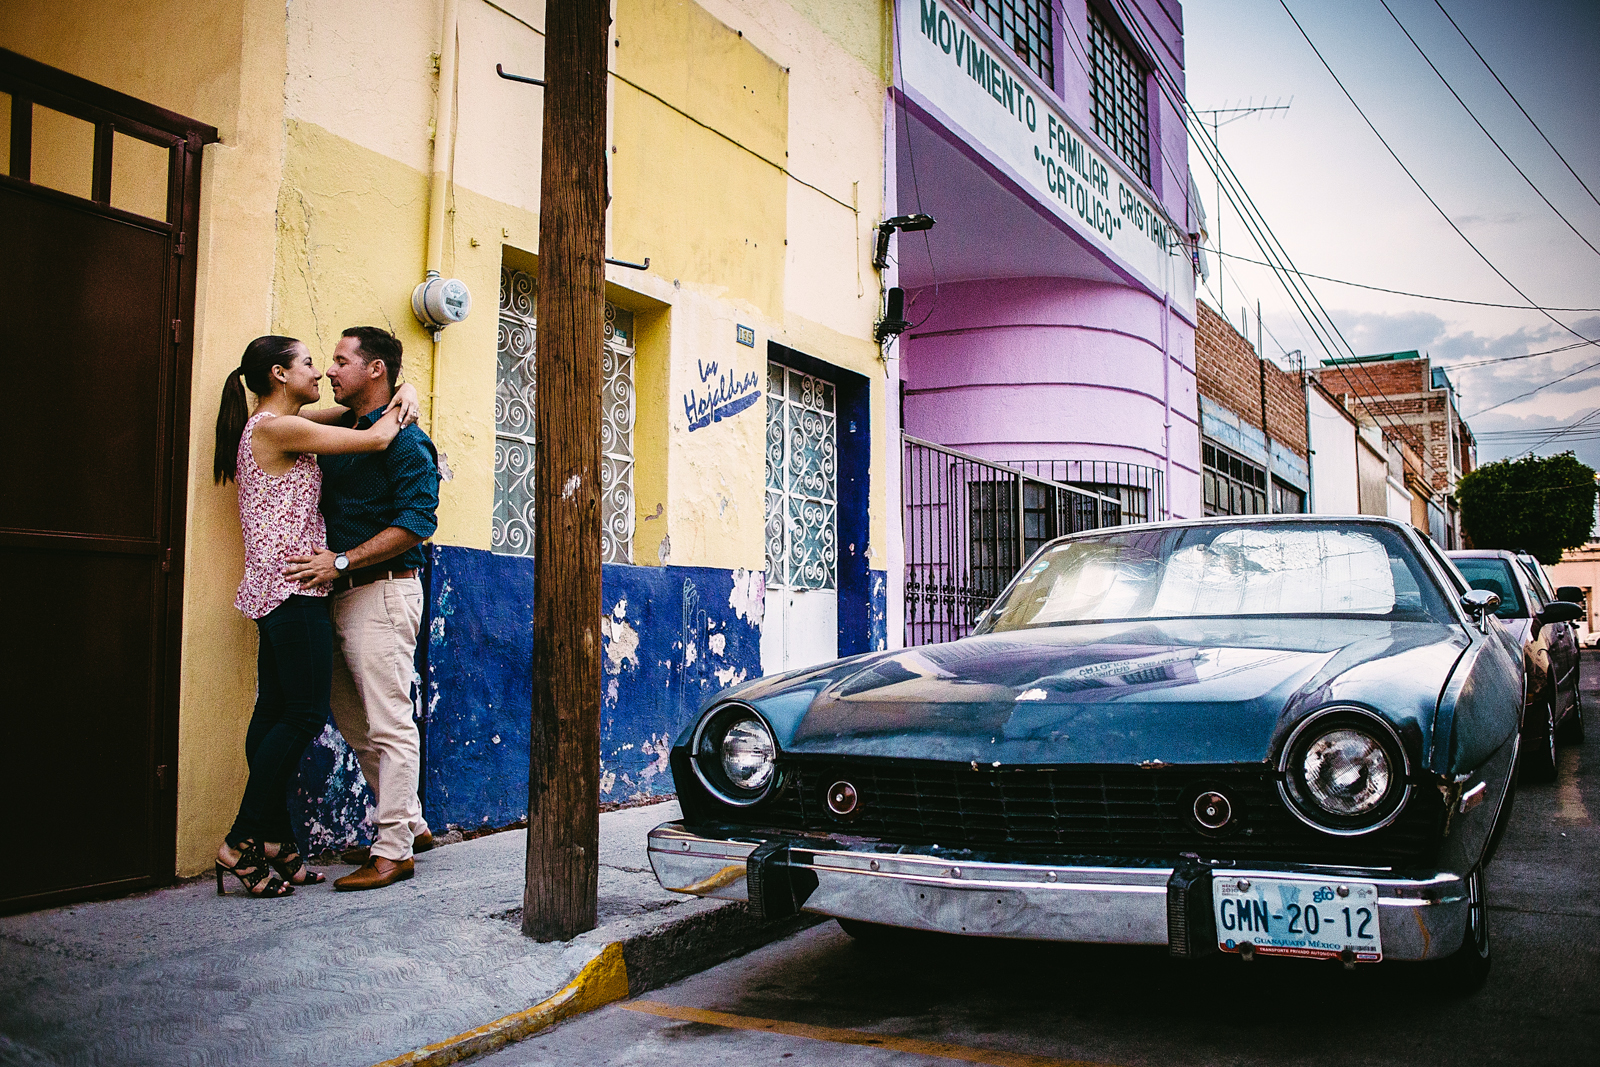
x: 375, y: 640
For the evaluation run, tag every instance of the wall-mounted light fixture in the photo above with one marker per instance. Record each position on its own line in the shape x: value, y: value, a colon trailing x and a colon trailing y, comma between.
x: 903, y: 223
x: 894, y: 320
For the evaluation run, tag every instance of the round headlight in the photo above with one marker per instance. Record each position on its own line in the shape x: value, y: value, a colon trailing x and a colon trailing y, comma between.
x: 1344, y: 771
x: 748, y: 754
x: 735, y: 755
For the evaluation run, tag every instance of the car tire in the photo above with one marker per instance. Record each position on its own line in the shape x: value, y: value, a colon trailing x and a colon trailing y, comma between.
x: 1465, y: 970
x: 1571, y: 730
x: 1539, y: 744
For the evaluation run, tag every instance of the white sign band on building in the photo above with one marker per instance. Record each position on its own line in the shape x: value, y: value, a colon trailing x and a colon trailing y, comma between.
x: 953, y: 68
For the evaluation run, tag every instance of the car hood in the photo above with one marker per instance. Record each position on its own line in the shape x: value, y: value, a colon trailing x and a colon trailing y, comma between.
x: 1206, y: 691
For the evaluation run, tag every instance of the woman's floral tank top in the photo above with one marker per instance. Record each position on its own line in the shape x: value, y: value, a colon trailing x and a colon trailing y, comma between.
x: 280, y: 519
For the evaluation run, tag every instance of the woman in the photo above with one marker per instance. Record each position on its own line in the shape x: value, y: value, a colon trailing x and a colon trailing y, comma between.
x: 272, y: 455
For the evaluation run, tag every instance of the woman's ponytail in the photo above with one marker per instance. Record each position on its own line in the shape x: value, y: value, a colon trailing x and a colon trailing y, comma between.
x: 260, y: 356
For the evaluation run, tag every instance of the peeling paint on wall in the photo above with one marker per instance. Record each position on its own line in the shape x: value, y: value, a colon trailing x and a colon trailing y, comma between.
x: 330, y: 801
x: 668, y: 646
x: 749, y: 596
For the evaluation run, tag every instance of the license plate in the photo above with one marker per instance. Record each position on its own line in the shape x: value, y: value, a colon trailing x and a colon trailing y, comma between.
x: 1297, y: 917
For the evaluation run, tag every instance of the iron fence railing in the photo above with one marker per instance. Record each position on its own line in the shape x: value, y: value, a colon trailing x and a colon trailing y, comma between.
x: 970, y: 524
x: 1141, y: 489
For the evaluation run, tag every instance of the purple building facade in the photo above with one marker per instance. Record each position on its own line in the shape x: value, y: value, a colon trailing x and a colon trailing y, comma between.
x: 1051, y: 306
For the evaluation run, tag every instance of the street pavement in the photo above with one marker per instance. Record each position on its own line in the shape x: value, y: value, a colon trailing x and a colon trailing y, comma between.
x: 820, y: 998
x: 181, y: 976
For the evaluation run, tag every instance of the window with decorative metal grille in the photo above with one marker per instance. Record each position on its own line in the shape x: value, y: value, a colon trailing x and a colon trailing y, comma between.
x: 515, y: 441
x: 802, y: 500
x: 1230, y: 485
x: 1120, y: 102
x: 1024, y: 25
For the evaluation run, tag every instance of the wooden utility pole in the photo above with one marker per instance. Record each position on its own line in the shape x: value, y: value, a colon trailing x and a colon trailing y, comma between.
x: 564, y: 766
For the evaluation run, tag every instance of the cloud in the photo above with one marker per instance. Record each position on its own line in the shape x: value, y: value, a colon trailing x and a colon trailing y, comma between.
x: 1371, y: 332
x: 1483, y: 387
x: 1503, y: 218
x: 1502, y: 436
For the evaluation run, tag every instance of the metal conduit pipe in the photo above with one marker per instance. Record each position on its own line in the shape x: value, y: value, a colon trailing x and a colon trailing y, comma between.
x: 434, y: 301
x: 443, y: 135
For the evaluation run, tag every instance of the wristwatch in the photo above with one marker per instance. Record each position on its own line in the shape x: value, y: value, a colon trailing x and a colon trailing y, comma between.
x: 341, y: 563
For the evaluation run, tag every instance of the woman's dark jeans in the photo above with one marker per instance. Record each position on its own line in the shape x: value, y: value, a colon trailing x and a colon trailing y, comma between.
x: 294, y: 676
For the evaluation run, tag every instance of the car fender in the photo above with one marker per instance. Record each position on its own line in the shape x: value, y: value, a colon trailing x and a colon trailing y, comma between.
x: 1480, y: 707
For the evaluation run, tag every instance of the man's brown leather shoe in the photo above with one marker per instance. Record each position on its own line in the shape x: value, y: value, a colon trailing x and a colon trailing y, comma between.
x: 423, y: 842
x: 376, y: 873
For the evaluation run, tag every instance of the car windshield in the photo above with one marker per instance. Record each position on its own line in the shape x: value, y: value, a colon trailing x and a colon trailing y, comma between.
x: 1306, y: 569
x: 1494, y: 575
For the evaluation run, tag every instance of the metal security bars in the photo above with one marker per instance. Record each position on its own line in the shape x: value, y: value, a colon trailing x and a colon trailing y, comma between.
x: 1119, y: 98
x: 802, y: 492
x: 969, y: 526
x: 1140, y: 489
x: 515, y: 439
x: 1024, y: 25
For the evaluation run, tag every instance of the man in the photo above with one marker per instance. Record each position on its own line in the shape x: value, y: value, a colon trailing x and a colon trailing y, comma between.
x: 379, y: 508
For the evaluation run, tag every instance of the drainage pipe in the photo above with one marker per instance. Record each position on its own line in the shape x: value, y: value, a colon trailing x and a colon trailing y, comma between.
x: 438, y: 187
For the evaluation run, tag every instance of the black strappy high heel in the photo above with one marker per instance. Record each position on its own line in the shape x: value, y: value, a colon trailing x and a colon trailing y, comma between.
x: 253, y: 873
x: 288, y: 864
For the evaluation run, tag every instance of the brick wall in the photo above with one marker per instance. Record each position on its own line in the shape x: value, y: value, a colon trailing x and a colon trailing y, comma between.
x: 1371, y: 379
x: 1399, y: 395
x: 1228, y: 372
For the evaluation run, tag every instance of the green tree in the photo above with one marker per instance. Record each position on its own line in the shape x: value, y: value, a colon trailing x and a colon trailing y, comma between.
x: 1543, y: 505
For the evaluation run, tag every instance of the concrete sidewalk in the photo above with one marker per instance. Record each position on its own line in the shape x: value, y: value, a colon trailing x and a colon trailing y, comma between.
x: 181, y: 976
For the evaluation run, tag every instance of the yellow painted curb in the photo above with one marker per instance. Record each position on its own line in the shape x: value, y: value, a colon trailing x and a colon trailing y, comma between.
x: 603, y: 979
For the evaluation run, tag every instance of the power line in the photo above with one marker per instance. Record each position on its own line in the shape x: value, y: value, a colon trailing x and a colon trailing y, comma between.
x: 1485, y: 129
x: 1507, y: 359
x: 1536, y: 389
x: 1520, y: 108
x: 1301, y: 295
x: 1401, y: 292
x: 1420, y: 187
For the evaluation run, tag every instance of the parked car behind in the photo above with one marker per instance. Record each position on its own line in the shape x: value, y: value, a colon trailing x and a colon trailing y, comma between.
x: 1553, y: 711
x: 1292, y: 736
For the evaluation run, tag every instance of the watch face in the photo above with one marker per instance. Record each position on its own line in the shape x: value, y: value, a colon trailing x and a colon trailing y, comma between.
x: 340, y: 562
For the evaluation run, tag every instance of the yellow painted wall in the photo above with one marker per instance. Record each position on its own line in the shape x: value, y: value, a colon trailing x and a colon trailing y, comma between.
x: 222, y: 63
x: 748, y: 167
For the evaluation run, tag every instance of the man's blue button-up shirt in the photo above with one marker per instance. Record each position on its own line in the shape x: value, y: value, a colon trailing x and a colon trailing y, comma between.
x: 365, y: 493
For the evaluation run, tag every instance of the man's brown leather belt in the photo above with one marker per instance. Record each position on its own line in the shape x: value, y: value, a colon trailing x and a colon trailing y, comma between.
x: 357, y: 580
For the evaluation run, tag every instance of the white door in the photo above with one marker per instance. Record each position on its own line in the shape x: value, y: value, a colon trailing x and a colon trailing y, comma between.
x: 801, y: 626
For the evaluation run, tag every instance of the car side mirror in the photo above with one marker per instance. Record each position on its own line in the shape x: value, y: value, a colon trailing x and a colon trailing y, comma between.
x: 1479, y: 603
x: 1561, y: 611
x: 1570, y: 593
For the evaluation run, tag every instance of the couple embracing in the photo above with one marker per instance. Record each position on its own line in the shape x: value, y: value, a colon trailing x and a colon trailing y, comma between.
x: 334, y: 504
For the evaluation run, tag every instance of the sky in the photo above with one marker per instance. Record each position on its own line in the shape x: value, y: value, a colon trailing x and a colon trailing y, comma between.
x: 1342, y: 207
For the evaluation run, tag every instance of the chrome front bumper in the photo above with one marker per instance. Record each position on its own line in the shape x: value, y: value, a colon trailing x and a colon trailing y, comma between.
x: 1420, y: 918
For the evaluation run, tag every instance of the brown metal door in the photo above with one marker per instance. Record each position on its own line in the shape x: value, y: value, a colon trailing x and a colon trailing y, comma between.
x: 91, y: 516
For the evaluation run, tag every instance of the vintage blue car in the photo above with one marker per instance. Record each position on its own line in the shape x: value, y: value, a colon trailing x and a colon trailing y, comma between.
x: 1289, y: 736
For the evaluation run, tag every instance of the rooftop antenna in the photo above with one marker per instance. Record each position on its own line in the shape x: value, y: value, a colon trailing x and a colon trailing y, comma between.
x: 1234, y: 114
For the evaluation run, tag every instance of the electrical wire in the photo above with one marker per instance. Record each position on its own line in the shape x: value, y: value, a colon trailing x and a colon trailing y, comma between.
x: 1401, y: 292
x: 1485, y: 129
x: 1536, y: 389
x: 1301, y: 296
x: 1420, y: 187
x: 1520, y: 108
x: 916, y: 188
x: 1507, y: 359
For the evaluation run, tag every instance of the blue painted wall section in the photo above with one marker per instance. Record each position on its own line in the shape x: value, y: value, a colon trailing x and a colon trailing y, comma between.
x: 479, y: 687
x: 670, y: 638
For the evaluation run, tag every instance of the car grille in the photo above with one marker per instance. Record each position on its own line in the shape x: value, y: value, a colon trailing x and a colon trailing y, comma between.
x: 1078, y: 810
